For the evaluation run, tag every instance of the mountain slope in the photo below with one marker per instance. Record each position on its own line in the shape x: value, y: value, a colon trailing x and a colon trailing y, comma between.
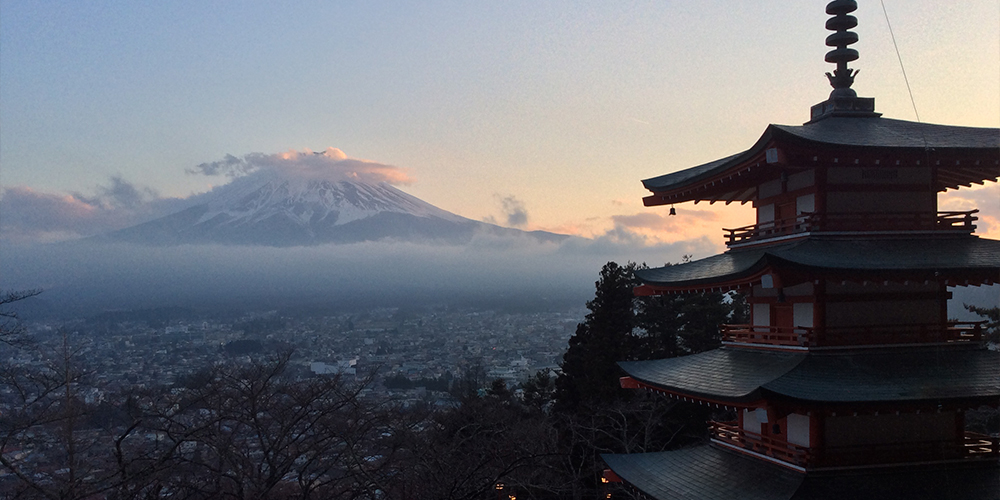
x: 282, y: 212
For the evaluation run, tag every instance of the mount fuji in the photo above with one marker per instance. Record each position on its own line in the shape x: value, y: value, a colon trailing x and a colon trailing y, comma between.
x: 281, y: 212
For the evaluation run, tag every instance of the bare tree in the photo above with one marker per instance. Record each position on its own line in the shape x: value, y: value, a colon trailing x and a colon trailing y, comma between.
x: 250, y: 432
x: 11, y: 330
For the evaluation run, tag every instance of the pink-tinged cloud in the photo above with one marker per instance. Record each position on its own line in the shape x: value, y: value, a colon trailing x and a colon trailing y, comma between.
x: 985, y: 198
x: 30, y: 216
x: 661, y: 221
x: 331, y: 165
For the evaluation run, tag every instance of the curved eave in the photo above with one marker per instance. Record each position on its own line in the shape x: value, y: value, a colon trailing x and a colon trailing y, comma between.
x: 704, y: 472
x: 963, y: 156
x: 730, y: 179
x: 708, y: 472
x: 965, y: 260
x: 725, y: 375
x: 737, y: 377
x: 893, y: 376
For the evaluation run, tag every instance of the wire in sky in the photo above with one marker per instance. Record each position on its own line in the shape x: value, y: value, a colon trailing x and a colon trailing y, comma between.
x: 901, y: 67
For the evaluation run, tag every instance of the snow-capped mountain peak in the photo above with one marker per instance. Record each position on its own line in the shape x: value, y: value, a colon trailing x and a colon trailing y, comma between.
x: 276, y: 211
x: 309, y: 202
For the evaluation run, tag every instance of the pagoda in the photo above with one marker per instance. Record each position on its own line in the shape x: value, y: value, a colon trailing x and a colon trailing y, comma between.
x: 850, y: 382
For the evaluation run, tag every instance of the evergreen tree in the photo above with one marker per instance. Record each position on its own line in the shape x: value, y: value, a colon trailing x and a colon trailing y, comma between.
x: 623, y: 327
x: 589, y: 369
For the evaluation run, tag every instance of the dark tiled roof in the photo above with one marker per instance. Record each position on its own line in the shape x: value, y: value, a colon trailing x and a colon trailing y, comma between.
x: 689, y: 175
x: 728, y: 374
x: 732, y: 374
x: 726, y: 266
x: 710, y: 473
x: 883, y: 256
x: 888, y: 133
x: 910, y: 375
x: 704, y: 473
x: 845, y: 132
x: 960, y: 482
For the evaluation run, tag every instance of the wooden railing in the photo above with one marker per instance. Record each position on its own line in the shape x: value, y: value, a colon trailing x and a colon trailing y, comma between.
x: 731, y: 433
x: 972, y: 446
x: 800, y: 224
x: 981, y: 445
x: 772, y: 335
x: 953, y: 331
x: 813, y: 222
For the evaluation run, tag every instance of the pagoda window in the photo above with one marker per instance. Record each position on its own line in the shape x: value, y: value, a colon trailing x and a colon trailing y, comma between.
x: 762, y: 315
x: 805, y: 204
x: 765, y: 214
x: 797, y: 428
x: 753, y: 419
x: 802, y: 314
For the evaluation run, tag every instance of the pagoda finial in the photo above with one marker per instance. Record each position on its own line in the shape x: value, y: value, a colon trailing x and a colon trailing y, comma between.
x: 843, y: 101
x: 843, y: 77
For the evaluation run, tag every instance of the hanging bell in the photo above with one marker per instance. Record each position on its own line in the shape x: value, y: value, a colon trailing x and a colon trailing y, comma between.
x: 673, y: 211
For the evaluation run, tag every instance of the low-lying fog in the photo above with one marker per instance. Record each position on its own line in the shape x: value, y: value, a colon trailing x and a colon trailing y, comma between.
x: 81, y: 277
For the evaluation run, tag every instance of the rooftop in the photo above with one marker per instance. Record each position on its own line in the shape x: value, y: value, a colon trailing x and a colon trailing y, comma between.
x: 961, y: 258
x: 743, y: 376
x: 711, y: 473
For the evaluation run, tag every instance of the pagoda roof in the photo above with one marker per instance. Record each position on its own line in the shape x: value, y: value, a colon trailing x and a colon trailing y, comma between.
x: 704, y: 473
x: 962, y: 156
x: 711, y: 473
x: 889, y: 133
x: 738, y: 375
x: 726, y: 374
x: 877, y: 258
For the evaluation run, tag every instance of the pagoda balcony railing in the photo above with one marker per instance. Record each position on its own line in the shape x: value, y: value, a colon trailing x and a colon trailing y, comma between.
x: 981, y: 445
x: 818, y: 222
x: 866, y: 335
x: 970, y: 446
x: 730, y: 433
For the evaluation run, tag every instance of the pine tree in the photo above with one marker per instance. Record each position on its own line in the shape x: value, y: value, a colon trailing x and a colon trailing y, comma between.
x: 589, y: 369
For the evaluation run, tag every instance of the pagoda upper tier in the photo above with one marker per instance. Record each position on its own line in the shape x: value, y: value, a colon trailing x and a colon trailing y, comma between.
x: 848, y: 150
x: 843, y: 174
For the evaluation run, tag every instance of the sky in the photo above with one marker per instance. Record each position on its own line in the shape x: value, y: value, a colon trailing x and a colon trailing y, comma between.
x: 537, y: 115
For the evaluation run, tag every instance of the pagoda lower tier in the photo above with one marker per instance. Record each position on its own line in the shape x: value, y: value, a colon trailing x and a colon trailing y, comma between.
x: 822, y: 410
x: 711, y: 472
x: 886, y: 423
x: 952, y: 261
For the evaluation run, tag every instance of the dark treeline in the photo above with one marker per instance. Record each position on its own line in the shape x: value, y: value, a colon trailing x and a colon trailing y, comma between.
x: 260, y: 430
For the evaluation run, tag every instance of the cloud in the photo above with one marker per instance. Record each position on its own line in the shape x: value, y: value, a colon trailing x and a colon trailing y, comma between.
x: 27, y: 215
x: 655, y: 221
x: 331, y: 164
x: 120, y: 194
x: 514, y: 211
x: 985, y: 198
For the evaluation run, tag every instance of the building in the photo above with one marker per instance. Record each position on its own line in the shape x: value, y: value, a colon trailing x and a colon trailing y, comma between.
x: 850, y: 381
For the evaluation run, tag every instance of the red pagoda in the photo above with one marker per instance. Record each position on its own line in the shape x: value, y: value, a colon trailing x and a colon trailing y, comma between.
x: 850, y: 382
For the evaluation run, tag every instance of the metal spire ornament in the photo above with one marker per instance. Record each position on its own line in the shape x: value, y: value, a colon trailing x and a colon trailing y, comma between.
x: 843, y: 77
x: 843, y: 101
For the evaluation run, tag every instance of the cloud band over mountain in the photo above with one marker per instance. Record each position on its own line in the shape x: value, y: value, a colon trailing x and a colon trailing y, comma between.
x: 329, y: 165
